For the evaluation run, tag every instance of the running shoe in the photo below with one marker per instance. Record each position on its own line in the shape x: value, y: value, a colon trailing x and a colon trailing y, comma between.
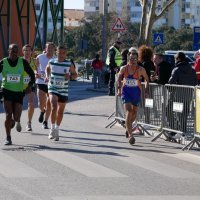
x: 45, y: 125
x: 8, y: 141
x: 131, y: 140
x: 18, y: 127
x: 51, y: 134
x: 56, y: 135
x: 28, y: 127
x: 41, y: 117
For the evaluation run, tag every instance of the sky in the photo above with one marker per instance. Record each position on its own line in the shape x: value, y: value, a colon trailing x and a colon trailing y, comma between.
x: 74, y: 4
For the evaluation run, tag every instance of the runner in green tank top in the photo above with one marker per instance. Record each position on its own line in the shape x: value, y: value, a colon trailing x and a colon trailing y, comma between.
x: 12, y: 69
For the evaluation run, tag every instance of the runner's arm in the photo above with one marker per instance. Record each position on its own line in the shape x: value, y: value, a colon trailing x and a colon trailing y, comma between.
x: 73, y: 72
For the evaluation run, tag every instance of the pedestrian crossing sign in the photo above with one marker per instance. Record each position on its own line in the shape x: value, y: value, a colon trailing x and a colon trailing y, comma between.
x: 158, y: 38
x: 118, y: 25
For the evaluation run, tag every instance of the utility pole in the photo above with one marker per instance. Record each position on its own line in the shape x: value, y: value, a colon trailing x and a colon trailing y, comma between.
x: 104, y: 30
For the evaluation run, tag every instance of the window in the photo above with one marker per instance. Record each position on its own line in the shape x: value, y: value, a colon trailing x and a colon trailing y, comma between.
x: 37, y: 6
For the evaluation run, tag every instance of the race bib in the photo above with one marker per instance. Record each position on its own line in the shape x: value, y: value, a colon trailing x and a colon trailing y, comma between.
x: 13, y: 78
x: 131, y: 82
x: 26, y: 79
x: 59, y: 82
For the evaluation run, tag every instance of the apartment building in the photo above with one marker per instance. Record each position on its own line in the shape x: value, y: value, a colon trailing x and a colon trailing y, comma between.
x: 73, y: 17
x: 38, y: 8
x: 182, y: 14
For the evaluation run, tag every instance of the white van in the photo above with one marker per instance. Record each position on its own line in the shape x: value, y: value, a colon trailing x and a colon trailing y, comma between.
x: 187, y: 53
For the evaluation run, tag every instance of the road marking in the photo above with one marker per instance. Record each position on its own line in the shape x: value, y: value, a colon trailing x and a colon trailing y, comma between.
x: 126, y: 197
x: 12, y: 168
x: 156, y: 166
x: 79, y: 164
x: 186, y: 157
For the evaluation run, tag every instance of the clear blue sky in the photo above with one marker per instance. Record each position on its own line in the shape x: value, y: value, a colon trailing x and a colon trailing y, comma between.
x: 74, y: 4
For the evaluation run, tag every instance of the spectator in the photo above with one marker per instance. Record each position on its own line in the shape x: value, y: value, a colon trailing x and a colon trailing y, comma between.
x: 145, y: 54
x: 124, y: 54
x: 163, y: 69
x: 197, y: 65
x: 73, y: 64
x: 113, y: 60
x: 182, y: 74
x: 97, y: 66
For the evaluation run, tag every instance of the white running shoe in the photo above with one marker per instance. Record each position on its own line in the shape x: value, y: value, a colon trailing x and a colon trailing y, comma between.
x: 51, y: 134
x: 56, y: 135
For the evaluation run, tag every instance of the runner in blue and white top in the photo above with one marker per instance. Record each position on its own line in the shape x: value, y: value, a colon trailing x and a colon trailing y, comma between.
x: 58, y: 73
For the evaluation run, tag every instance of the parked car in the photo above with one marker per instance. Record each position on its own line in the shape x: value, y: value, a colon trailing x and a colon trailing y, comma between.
x: 169, y: 57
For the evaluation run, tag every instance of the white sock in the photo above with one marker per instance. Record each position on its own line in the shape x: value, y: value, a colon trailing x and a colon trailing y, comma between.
x: 52, y: 126
x: 57, y: 127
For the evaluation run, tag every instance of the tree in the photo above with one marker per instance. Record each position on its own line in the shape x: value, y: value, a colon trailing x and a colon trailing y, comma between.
x: 149, y: 16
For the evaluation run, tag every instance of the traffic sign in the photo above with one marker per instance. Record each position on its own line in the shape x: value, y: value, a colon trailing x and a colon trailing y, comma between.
x: 158, y: 38
x: 196, y: 38
x: 118, y: 25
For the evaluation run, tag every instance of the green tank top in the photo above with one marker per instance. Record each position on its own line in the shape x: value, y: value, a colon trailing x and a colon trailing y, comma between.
x: 12, y: 77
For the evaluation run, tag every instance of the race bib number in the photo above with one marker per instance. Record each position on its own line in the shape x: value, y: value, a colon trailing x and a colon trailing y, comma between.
x: 12, y: 78
x: 26, y: 79
x: 58, y: 82
x: 131, y: 82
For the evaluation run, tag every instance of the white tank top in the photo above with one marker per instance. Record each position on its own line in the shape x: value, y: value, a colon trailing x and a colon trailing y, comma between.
x: 43, y: 61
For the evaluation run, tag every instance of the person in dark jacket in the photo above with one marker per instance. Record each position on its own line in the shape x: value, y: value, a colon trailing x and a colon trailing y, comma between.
x: 163, y: 69
x: 182, y: 74
x: 113, y: 61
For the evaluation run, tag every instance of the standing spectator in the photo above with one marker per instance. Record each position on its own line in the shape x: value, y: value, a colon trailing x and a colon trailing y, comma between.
x: 12, y: 69
x: 163, y: 69
x: 27, y: 52
x: 58, y: 72
x: 197, y: 65
x: 113, y: 60
x: 145, y: 54
x: 87, y: 68
x: 73, y: 64
x: 182, y: 74
x: 42, y: 89
x: 130, y: 90
x: 97, y: 66
x: 124, y: 54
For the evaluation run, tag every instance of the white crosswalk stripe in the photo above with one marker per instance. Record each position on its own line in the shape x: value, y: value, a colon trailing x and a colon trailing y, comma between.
x: 12, y: 168
x: 126, y: 197
x: 186, y: 157
x: 156, y: 166
x: 80, y: 165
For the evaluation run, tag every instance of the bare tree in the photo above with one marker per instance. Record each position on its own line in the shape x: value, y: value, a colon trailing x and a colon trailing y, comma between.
x: 149, y: 16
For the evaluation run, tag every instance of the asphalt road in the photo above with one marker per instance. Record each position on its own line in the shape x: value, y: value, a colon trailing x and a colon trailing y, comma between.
x: 91, y: 162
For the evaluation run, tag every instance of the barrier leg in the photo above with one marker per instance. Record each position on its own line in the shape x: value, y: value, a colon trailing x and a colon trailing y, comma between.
x: 111, y: 123
x: 111, y: 115
x: 144, y: 130
x: 191, y: 143
x: 158, y: 136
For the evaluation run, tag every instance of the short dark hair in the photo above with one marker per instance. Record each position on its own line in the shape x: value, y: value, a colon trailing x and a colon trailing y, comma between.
x: 159, y: 54
x: 180, y: 55
x: 62, y: 47
x: 27, y: 45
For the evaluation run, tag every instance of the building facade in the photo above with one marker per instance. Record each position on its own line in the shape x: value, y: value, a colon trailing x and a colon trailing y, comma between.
x: 184, y: 13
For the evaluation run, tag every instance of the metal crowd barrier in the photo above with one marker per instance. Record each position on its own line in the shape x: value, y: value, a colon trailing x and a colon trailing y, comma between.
x: 150, y: 112
x: 178, y: 111
x: 196, y: 138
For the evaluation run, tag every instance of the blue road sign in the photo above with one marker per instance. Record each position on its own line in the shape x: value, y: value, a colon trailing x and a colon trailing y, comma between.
x: 158, y: 38
x: 196, y: 38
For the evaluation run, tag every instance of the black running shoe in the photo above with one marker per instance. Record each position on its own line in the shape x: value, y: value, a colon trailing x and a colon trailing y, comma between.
x: 41, y: 117
x: 126, y: 134
x: 8, y: 141
x: 45, y: 125
x: 131, y: 140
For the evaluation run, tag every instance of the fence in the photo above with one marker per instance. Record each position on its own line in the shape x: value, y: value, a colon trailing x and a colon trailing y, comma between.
x: 169, y: 108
